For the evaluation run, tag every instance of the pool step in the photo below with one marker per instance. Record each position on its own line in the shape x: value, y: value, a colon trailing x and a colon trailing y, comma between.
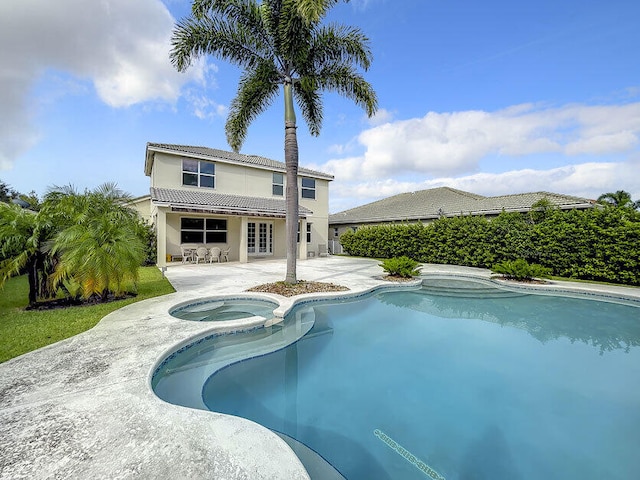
x: 465, y: 289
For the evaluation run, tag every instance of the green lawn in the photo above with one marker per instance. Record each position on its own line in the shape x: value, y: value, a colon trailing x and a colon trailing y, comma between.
x: 22, y: 331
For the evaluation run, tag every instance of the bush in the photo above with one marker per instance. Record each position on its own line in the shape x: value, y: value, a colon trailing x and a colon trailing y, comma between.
x: 594, y: 244
x: 401, y: 267
x: 520, y: 269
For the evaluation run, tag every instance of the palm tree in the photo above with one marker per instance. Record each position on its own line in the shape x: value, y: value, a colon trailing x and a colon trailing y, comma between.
x: 278, y: 43
x: 99, y: 248
x: 24, y: 245
x: 618, y: 199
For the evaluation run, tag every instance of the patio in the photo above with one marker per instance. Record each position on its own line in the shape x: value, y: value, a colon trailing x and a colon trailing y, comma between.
x: 83, y: 407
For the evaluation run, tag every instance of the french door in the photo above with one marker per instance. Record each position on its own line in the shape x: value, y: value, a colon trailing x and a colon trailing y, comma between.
x: 260, y: 238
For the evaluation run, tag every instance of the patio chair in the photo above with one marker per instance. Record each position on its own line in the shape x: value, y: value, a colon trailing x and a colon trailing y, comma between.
x: 214, y: 254
x: 187, y: 254
x: 225, y: 254
x: 201, y: 254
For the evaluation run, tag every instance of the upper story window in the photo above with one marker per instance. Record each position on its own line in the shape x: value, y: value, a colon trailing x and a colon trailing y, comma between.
x: 198, y: 173
x: 278, y: 184
x: 308, y: 188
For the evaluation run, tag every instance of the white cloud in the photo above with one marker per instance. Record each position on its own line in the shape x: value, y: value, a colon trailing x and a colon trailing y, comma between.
x: 204, y: 107
x: 454, y: 143
x: 382, y: 116
x: 121, y: 46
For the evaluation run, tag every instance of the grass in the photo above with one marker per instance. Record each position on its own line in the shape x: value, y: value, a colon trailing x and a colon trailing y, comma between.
x: 22, y: 331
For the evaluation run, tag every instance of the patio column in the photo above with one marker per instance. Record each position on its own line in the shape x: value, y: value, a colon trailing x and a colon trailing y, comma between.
x: 243, y: 240
x: 161, y: 233
x: 302, y: 245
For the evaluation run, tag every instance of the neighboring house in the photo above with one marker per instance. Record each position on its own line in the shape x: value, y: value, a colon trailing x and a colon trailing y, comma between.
x: 428, y: 205
x: 203, y: 196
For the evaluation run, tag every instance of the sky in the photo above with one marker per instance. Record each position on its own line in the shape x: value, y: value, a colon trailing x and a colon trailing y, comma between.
x: 492, y: 97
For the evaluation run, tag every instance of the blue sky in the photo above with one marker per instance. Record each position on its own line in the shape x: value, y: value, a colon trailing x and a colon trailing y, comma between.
x: 492, y: 97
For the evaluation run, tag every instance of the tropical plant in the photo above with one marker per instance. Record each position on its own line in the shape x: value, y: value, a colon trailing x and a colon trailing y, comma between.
x: 99, y: 248
x: 521, y: 270
x: 24, y: 247
x: 619, y: 199
x: 278, y: 43
x: 85, y: 244
x: 401, y: 267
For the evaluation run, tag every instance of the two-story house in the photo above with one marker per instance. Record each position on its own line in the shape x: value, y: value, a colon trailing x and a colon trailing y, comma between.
x: 210, y: 197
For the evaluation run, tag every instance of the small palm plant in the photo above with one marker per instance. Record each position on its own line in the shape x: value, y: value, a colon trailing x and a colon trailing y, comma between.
x: 24, y: 237
x: 100, y: 249
x: 404, y: 267
x: 521, y: 270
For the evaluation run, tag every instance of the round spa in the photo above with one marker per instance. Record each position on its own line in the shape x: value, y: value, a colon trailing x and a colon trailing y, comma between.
x: 219, y: 309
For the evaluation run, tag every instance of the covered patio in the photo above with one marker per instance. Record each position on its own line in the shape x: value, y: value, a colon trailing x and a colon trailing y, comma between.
x: 246, y: 227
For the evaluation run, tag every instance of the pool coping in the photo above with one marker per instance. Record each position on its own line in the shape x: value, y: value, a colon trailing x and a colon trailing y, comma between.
x: 83, y: 407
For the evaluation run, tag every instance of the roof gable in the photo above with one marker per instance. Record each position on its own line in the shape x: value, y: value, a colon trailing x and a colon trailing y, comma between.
x: 213, y: 154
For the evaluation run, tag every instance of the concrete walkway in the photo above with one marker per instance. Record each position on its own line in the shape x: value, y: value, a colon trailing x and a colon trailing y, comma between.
x: 83, y: 407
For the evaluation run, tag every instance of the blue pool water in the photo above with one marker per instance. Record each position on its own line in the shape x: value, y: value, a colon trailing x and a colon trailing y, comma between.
x: 417, y: 385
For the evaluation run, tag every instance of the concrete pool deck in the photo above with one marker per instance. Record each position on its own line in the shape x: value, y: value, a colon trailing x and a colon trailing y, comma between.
x: 83, y: 407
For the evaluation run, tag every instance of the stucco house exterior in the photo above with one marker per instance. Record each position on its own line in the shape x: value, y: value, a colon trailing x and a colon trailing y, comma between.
x: 427, y: 205
x: 202, y: 196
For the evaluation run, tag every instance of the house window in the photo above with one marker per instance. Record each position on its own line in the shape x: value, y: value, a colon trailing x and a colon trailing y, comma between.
x: 308, y: 188
x: 278, y: 184
x: 198, y: 173
x: 335, y: 232
x: 308, y: 233
x: 251, y: 237
x: 203, y: 230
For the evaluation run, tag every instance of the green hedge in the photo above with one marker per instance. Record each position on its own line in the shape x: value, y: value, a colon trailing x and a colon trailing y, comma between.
x: 595, y: 244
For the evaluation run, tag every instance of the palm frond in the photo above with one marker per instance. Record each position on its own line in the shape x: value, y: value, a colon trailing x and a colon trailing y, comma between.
x: 232, y: 31
x: 314, y: 10
x: 340, y: 43
x: 256, y: 91
x: 310, y: 103
x: 346, y: 81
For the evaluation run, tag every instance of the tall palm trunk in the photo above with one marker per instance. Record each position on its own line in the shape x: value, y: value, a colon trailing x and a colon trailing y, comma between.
x: 291, y: 162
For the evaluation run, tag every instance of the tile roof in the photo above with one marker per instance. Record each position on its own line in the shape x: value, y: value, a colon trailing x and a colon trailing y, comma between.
x: 434, y: 202
x: 220, y: 203
x: 215, y: 154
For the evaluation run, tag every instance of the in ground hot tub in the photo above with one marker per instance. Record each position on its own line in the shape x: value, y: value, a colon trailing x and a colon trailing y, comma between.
x: 219, y: 310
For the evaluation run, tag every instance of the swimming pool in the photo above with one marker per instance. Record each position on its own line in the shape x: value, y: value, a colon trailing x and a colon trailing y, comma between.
x: 420, y: 384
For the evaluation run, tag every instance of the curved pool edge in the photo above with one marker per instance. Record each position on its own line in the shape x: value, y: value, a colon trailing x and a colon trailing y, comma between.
x: 287, y: 304
x: 594, y: 291
x: 598, y: 292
